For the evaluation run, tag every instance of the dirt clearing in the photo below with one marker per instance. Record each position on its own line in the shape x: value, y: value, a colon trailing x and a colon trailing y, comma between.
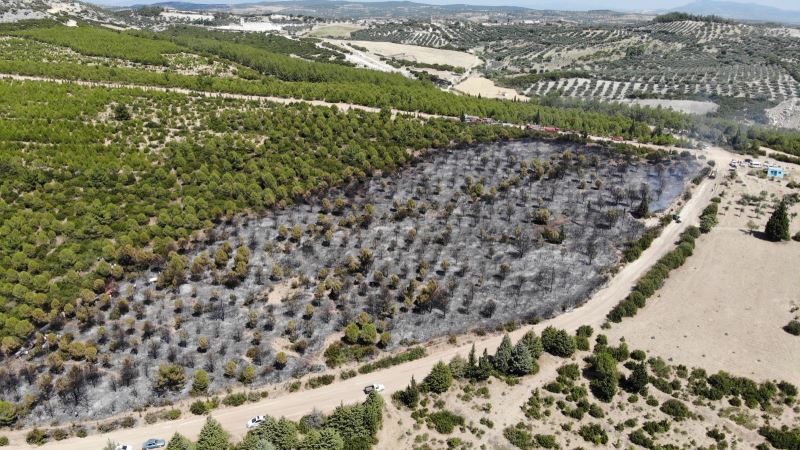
x: 725, y: 309
x: 485, y: 87
x: 416, y: 53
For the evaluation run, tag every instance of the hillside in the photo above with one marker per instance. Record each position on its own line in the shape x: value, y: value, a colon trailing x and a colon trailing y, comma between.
x: 741, y: 11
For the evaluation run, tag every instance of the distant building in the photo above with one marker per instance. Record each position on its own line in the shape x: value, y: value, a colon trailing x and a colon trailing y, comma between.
x: 775, y: 172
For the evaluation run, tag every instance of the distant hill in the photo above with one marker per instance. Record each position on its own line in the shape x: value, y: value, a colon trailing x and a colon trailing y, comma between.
x: 740, y: 11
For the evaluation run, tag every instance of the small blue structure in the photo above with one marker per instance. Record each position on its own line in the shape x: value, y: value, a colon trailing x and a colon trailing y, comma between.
x: 775, y: 172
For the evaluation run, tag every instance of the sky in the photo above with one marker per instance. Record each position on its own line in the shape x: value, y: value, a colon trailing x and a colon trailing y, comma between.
x: 619, y: 5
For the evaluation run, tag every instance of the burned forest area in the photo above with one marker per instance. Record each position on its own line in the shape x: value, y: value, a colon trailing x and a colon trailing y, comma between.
x: 462, y: 240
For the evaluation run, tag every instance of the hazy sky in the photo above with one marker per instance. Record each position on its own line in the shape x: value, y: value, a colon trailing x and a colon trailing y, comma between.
x: 629, y: 5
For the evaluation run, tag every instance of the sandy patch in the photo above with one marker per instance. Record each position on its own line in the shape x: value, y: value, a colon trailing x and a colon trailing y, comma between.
x: 685, y: 106
x: 786, y: 114
x: 725, y: 308
x: 420, y: 54
x: 336, y: 30
x: 485, y: 87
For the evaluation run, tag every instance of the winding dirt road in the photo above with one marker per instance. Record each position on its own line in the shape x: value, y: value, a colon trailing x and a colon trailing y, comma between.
x: 295, y: 405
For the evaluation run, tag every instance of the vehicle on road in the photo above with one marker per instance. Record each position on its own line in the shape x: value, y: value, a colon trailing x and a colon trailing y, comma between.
x: 374, y: 388
x: 154, y: 443
x: 676, y: 218
x: 255, y: 421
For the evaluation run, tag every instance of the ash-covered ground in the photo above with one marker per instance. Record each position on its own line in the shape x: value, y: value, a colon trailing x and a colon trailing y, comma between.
x: 458, y: 241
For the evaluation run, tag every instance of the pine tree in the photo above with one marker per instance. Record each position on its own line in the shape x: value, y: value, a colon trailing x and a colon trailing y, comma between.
x: 522, y: 363
x: 778, y: 224
x: 472, y: 361
x: 440, y: 378
x: 638, y: 379
x: 484, y: 370
x: 179, y: 442
x: 502, y: 357
x: 212, y: 436
x: 534, y: 344
x: 200, y: 382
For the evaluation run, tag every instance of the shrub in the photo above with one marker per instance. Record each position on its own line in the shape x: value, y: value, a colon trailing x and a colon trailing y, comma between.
x: 349, y: 373
x: 3, y: 441
x: 546, y: 441
x: 389, y: 361
x: 8, y: 413
x: 199, y: 408
x: 558, y: 342
x: 519, y: 436
x: 36, y: 437
x: 675, y: 408
x: 593, y: 433
x: 793, y: 327
x: 59, y: 434
x: 783, y: 438
x: 445, y: 421
x: 235, y: 399
x: 322, y: 380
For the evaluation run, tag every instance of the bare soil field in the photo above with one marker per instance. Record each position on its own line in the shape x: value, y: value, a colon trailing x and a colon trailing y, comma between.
x: 476, y: 85
x: 420, y: 54
x: 726, y: 307
x: 685, y: 106
x: 335, y: 30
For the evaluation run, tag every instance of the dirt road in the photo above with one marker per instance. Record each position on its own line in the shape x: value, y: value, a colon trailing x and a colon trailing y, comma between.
x: 327, y: 398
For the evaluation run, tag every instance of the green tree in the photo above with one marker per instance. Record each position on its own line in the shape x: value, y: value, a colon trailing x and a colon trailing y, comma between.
x: 170, y: 377
x: 558, y: 342
x: 522, y: 363
x: 179, y: 442
x: 604, y: 376
x: 440, y: 379
x: 638, y: 378
x: 200, y: 382
x: 351, y: 333
x: 502, y: 357
x: 212, y: 436
x: 534, y: 344
x: 282, y: 433
x: 324, y: 439
x: 778, y: 224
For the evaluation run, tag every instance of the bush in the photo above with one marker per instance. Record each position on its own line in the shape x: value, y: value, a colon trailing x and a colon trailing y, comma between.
x: 346, y: 374
x: 593, y: 433
x: 793, y: 327
x: 36, y: 437
x: 235, y: 399
x: 783, y: 438
x: 322, y: 380
x: 558, y: 342
x: 59, y: 434
x: 389, y: 361
x: 3, y: 441
x: 519, y: 436
x: 675, y: 408
x: 199, y: 408
x: 445, y: 421
x: 546, y: 441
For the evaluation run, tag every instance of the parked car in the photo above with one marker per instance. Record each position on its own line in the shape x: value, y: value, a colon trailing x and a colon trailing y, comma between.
x: 154, y: 443
x: 676, y: 218
x: 256, y: 421
x: 374, y: 388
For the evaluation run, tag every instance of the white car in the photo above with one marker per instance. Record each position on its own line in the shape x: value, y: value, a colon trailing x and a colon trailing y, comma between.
x: 374, y: 388
x: 256, y: 421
